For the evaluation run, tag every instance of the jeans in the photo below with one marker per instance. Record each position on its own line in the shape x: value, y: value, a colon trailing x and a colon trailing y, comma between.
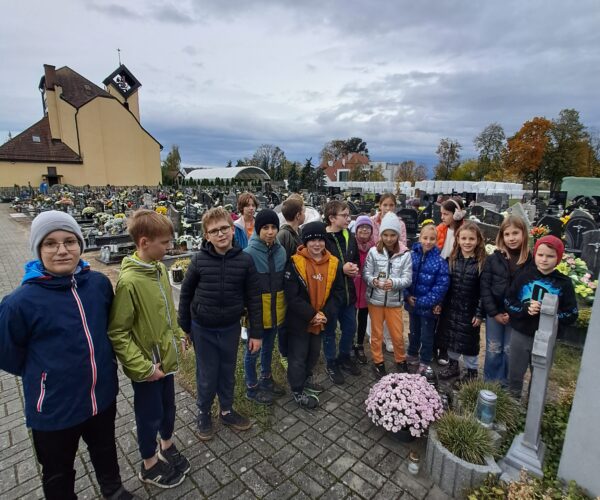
x: 471, y: 362
x: 521, y: 346
x: 303, y: 355
x: 420, y: 338
x: 154, y: 407
x: 56, y: 450
x: 497, y: 349
x: 347, y: 317
x: 216, y: 357
x: 266, y: 355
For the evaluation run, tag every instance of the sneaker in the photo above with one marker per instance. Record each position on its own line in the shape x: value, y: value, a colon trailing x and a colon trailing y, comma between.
x: 269, y: 385
x: 335, y: 374
x: 401, y: 367
x: 422, y: 369
x: 306, y: 400
x: 380, y: 370
x: 205, y: 428
x: 443, y: 359
x: 450, y: 371
x: 359, y: 354
x: 236, y: 421
x: 312, y: 386
x: 259, y: 396
x: 389, y: 347
x: 175, y: 459
x: 161, y: 474
x: 348, y: 365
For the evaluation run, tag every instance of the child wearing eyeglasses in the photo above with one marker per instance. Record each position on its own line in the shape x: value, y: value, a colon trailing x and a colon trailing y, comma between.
x: 221, y: 281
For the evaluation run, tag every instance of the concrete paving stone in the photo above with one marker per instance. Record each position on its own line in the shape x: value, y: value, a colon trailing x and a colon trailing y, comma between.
x: 332, y: 404
x: 283, y: 455
x: 351, y: 446
x: 255, y: 483
x: 274, y: 439
x: 392, y: 444
x: 217, y: 445
x: 11, y: 421
x: 358, y: 485
x: 329, y: 455
x: 337, y: 491
x: 236, y: 453
x: 360, y: 438
x: 8, y: 478
x: 187, y: 437
x: 339, y: 429
x: 356, y: 409
x: 262, y: 447
x: 435, y: 493
x: 309, y: 417
x: 407, y: 482
x: 285, y: 490
x: 247, y: 462
x: 342, y: 464
x: 246, y: 495
x: 375, y: 455
x: 26, y: 469
x: 201, y: 459
x: 375, y: 432
x: 294, y: 431
x: 269, y: 473
x: 4, y: 440
x: 390, y: 464
x: 12, y: 394
x: 390, y: 491
x: 88, y: 493
x: 309, y: 448
x: 369, y: 474
x: 325, y: 423
x: 301, y: 496
x: 186, y: 416
x: 205, y: 481
x: 186, y: 489
x: 285, y: 423
x: 83, y: 483
x: 22, y: 490
x: 16, y: 453
x: 128, y: 443
x: 231, y: 438
x: 296, y: 463
x: 232, y: 490
x: 222, y: 472
x: 308, y: 485
x: 18, y: 434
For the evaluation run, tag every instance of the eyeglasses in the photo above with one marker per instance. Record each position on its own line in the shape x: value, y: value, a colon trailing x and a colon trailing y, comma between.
x: 345, y: 216
x: 222, y: 230
x: 52, y: 246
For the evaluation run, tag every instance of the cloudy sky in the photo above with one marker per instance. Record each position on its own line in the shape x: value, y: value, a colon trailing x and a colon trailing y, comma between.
x: 221, y: 77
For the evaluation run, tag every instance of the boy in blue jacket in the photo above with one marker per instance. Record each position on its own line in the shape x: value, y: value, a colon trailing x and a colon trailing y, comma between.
x: 53, y: 333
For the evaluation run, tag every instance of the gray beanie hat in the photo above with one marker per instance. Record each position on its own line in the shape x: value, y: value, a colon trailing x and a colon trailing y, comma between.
x: 46, y: 222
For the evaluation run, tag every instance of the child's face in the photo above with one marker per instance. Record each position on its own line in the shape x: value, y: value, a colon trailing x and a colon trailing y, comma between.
x: 428, y: 238
x: 220, y: 234
x: 447, y: 217
x: 386, y: 206
x: 390, y: 238
x: 546, y: 259
x: 340, y: 221
x: 467, y: 241
x: 315, y: 248
x: 363, y: 233
x: 249, y: 210
x: 268, y: 233
x: 64, y: 259
x: 156, y: 249
x: 513, y: 237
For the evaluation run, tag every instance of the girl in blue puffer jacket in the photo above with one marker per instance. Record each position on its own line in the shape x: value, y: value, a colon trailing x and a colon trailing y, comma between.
x: 429, y: 286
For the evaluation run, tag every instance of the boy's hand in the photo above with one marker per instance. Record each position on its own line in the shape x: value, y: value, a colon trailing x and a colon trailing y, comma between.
x: 437, y: 310
x: 534, y: 307
x: 157, y: 375
x: 476, y: 321
x: 412, y: 301
x: 502, y: 318
x: 254, y: 345
x: 350, y: 269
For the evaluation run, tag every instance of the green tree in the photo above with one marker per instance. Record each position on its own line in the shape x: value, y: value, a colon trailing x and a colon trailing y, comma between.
x: 171, y: 165
x: 338, y: 148
x: 489, y: 143
x: 449, y: 158
x: 307, y: 175
x: 269, y: 158
x: 229, y: 164
x: 293, y: 178
x: 408, y: 171
x: 468, y: 170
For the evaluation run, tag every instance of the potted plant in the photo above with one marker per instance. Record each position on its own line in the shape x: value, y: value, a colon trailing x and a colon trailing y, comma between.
x: 404, y: 404
x: 88, y: 212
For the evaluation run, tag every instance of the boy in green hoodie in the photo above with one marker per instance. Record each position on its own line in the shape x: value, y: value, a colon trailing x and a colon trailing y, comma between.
x: 146, y: 338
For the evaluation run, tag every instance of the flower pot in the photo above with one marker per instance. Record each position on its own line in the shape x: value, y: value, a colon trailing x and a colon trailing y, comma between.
x: 453, y: 475
x: 403, y: 435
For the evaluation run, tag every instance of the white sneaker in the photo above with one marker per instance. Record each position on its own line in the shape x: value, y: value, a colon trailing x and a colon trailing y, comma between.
x: 389, y: 347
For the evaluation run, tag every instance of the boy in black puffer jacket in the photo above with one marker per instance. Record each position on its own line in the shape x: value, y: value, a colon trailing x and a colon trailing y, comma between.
x: 220, y: 282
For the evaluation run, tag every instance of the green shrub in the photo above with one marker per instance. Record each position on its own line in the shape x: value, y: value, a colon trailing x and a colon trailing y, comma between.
x: 554, y: 428
x: 583, y: 319
x: 464, y: 437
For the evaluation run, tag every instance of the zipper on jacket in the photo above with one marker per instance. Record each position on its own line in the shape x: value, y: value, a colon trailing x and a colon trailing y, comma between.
x: 337, y: 243
x: 388, y: 275
x: 162, y: 292
x: 40, y: 400
x: 88, y: 336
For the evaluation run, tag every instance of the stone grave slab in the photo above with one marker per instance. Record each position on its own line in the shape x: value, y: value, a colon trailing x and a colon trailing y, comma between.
x: 437, y: 213
x: 590, y: 251
x: 489, y: 231
x: 554, y: 224
x: 478, y: 211
x: 574, y: 233
x: 175, y: 216
x: 493, y: 218
x: 410, y: 218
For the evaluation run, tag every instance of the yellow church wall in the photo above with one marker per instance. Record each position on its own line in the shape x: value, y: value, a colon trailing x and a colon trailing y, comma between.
x: 23, y: 172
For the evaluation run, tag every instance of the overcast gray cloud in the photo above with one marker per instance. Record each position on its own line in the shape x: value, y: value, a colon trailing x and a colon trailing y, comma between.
x: 222, y: 77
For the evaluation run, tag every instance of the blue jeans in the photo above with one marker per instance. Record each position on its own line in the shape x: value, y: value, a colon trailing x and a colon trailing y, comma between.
x: 421, y: 334
x: 497, y: 349
x: 346, y: 315
x: 266, y: 355
x: 471, y: 362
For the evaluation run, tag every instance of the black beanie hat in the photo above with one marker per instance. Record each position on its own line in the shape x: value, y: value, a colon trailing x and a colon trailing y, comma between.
x: 264, y: 217
x: 314, y: 231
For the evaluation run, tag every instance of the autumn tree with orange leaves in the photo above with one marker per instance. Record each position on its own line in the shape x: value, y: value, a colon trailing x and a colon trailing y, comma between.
x: 525, y: 154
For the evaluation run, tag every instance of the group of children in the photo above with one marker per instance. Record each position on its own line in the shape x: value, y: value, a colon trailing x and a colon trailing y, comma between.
x: 62, y: 328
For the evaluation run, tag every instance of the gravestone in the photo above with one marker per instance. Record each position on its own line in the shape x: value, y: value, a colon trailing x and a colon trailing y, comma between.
x: 493, y: 218
x: 437, y: 213
x: 401, y: 200
x: 529, y: 210
x: 410, y: 218
x: 558, y: 198
x: 175, y: 216
x: 574, y: 233
x: 478, y: 211
x: 580, y: 460
x: 489, y: 231
x: 147, y: 201
x: 554, y: 224
x: 590, y: 251
x: 581, y: 213
x: 527, y: 449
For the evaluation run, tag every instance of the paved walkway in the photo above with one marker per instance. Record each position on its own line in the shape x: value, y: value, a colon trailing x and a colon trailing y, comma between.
x: 332, y: 453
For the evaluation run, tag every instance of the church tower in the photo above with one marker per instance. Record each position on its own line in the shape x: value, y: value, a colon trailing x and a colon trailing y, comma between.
x: 124, y: 86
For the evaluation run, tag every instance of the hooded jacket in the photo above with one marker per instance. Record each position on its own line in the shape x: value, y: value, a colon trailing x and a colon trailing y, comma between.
x: 143, y: 322
x: 217, y: 288
x: 529, y: 285
x: 270, y: 266
x: 397, y: 267
x: 430, y: 280
x: 53, y: 335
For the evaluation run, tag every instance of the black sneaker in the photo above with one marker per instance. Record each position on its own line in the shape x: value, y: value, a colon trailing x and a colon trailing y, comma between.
x: 234, y: 420
x: 259, y: 396
x: 306, y: 400
x: 272, y: 387
x: 205, y: 427
x: 161, y: 474
x: 311, y: 386
x: 401, y: 367
x: 348, y: 365
x: 380, y: 370
x: 335, y: 374
x: 450, y: 371
x: 175, y: 459
x: 359, y: 354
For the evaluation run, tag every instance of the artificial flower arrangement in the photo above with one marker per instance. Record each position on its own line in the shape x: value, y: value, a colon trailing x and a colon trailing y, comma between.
x: 576, y: 269
x: 490, y: 249
x: 427, y: 221
x: 402, y: 401
x: 88, y: 211
x: 538, y: 232
x: 564, y: 219
x: 161, y: 209
x: 120, y: 215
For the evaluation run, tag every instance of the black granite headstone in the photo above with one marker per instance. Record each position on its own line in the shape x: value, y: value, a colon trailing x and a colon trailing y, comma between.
x: 410, y: 218
x: 574, y: 233
x: 590, y: 251
x: 554, y: 224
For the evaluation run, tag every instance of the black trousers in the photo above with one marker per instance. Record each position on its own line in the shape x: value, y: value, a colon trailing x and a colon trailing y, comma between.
x: 304, y: 349
x: 56, y: 451
x: 363, y: 314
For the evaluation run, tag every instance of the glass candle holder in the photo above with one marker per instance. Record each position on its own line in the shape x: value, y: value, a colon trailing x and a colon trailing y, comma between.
x: 414, y: 463
x: 486, y: 408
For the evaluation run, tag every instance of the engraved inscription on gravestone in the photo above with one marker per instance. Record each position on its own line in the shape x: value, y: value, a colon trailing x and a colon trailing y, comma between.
x: 410, y: 218
x: 590, y: 251
x: 574, y: 233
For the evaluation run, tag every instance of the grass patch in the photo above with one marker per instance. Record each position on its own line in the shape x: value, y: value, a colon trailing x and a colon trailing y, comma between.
x: 464, y: 437
x: 564, y: 371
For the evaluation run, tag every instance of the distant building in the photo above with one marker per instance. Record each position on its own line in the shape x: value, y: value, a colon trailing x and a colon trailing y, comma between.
x: 88, y: 135
x: 248, y: 173
x: 339, y: 170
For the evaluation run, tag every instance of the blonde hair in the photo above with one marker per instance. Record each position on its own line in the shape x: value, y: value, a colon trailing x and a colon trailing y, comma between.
x: 215, y: 214
x: 514, y: 220
x: 479, y: 251
x: 149, y: 224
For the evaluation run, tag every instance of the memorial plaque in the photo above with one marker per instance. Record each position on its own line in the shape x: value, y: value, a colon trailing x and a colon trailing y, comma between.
x: 574, y: 233
x: 590, y: 251
x: 554, y: 224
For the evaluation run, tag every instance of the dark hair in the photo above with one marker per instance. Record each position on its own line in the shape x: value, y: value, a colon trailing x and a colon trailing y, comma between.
x: 385, y: 196
x: 332, y: 208
x: 291, y: 207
